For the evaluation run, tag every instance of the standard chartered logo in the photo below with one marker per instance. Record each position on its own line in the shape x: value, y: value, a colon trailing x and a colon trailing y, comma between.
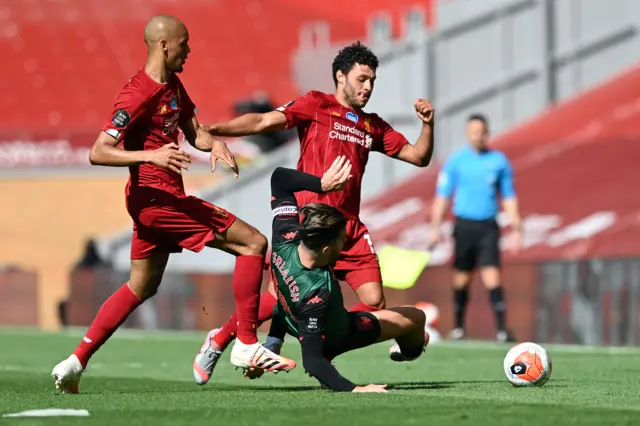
x: 350, y: 134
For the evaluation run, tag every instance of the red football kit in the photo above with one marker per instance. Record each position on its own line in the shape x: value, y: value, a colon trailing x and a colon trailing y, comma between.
x: 327, y: 130
x: 147, y: 116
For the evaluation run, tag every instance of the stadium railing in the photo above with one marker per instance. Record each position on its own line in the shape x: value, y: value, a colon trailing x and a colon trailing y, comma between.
x: 587, y: 302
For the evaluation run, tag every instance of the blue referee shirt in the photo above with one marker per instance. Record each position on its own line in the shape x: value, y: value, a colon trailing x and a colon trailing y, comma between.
x: 476, y: 179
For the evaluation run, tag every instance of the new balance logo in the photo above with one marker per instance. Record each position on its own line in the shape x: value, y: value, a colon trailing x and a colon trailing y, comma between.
x: 289, y: 235
x: 365, y: 323
x: 315, y: 300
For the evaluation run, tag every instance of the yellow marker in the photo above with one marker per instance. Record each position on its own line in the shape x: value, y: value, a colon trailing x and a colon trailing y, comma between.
x: 400, y: 267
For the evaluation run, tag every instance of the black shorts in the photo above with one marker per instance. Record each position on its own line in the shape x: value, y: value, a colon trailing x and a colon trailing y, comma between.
x: 364, y: 330
x: 477, y: 243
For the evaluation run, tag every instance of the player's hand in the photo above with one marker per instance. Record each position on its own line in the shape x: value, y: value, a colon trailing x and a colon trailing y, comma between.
x: 435, y: 236
x: 371, y: 388
x: 516, y: 240
x: 170, y: 157
x: 220, y: 151
x: 424, y: 110
x: 336, y: 178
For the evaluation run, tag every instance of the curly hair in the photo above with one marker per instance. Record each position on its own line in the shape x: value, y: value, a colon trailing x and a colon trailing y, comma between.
x: 355, y: 53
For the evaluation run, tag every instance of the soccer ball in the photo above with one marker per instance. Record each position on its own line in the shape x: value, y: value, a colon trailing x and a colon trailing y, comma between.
x: 432, y: 314
x: 527, y: 364
x: 431, y: 311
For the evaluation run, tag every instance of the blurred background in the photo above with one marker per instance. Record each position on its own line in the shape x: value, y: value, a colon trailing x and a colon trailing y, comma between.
x: 558, y: 79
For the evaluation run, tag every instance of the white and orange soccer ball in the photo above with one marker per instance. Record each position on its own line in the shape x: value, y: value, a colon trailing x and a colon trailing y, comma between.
x: 527, y: 364
x: 432, y: 313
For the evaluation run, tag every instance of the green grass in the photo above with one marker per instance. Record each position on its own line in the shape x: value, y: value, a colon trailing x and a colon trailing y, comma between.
x: 145, y: 379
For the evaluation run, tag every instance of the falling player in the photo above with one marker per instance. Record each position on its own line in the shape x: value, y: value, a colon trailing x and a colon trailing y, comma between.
x: 310, y: 304
x: 147, y: 114
x: 328, y: 126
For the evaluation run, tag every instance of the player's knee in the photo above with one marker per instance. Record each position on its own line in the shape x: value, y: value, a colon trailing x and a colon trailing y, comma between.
x: 146, y: 287
x: 490, y: 277
x: 411, y: 318
x: 461, y: 279
x: 371, y: 294
x: 380, y: 302
x: 376, y: 301
x: 257, y: 244
x: 418, y: 318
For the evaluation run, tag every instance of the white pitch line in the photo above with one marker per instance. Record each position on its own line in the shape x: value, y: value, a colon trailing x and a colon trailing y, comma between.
x: 180, y: 336
x: 551, y: 347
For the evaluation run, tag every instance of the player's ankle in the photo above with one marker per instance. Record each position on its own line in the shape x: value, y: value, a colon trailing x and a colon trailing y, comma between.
x: 274, y: 344
x: 411, y: 351
x: 82, y: 357
x: 247, y: 339
x: 220, y: 343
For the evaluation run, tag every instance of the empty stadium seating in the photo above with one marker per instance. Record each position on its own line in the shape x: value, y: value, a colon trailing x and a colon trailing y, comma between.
x: 576, y: 175
x: 70, y: 57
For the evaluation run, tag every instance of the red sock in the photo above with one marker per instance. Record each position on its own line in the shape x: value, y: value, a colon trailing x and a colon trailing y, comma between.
x: 247, y: 280
x: 228, y: 331
x: 113, y: 312
x: 363, y: 307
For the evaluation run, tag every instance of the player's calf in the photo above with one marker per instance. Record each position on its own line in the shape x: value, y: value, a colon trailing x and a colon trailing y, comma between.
x: 146, y: 275
x: 249, y: 246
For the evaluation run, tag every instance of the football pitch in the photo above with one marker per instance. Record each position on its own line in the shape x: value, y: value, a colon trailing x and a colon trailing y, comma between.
x: 144, y: 378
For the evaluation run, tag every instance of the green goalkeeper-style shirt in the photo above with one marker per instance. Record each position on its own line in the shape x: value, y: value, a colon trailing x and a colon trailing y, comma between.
x: 309, y: 300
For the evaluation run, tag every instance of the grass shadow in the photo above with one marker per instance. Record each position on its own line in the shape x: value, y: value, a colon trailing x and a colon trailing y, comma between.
x: 420, y: 385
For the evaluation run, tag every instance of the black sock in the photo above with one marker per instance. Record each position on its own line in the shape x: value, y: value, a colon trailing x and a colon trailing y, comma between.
x: 497, y: 303
x: 278, y: 327
x: 412, y: 352
x: 460, y: 298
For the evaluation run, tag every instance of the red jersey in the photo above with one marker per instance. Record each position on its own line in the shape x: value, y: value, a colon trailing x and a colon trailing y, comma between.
x: 327, y: 130
x: 146, y: 116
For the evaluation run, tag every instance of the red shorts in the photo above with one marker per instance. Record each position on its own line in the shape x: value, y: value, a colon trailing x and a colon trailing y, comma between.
x: 172, y: 223
x: 358, y: 262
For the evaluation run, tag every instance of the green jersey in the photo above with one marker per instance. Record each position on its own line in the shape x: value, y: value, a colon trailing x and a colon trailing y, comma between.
x: 310, y: 302
x: 304, y: 293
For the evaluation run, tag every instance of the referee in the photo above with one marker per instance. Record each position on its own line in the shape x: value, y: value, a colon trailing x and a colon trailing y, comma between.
x: 476, y: 176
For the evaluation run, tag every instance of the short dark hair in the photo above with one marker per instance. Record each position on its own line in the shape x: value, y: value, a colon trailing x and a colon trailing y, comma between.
x: 355, y: 53
x: 479, y: 117
x: 321, y: 224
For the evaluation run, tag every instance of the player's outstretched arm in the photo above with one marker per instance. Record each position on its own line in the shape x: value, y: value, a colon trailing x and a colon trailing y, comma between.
x: 286, y: 182
x: 202, y: 140
x: 249, y: 124
x: 311, y: 326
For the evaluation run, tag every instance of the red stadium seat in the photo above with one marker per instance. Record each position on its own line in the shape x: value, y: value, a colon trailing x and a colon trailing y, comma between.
x: 69, y: 58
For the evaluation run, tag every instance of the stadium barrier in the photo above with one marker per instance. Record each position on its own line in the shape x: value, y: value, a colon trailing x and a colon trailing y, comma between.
x: 591, y: 302
x: 18, y: 297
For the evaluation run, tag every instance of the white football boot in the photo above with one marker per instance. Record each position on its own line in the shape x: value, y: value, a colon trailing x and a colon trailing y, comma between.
x: 396, y: 355
x: 206, y: 360
x: 257, y: 356
x: 67, y: 374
